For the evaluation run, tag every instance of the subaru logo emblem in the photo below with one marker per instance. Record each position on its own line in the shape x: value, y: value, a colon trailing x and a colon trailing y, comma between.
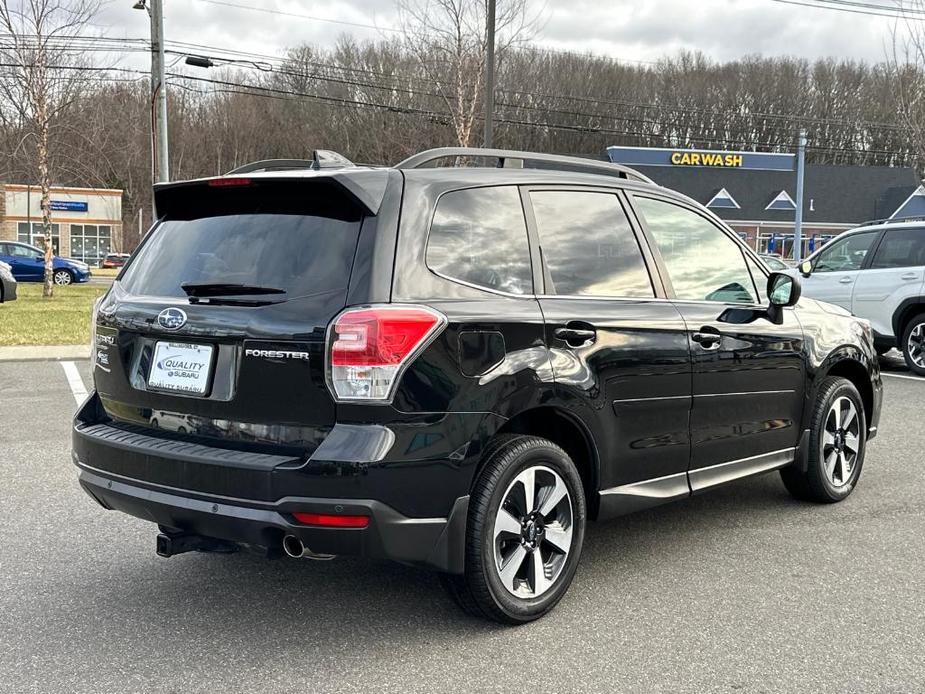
x: 172, y: 318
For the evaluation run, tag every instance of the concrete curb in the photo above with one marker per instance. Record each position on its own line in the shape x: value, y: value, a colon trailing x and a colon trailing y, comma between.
x: 44, y: 353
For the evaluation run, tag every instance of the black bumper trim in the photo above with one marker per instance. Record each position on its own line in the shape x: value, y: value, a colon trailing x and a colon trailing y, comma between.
x: 435, y: 543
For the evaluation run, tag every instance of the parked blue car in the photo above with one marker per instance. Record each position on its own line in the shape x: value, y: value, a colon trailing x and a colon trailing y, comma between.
x: 28, y: 263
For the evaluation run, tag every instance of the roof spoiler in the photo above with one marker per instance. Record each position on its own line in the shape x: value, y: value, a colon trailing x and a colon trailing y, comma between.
x: 366, y: 188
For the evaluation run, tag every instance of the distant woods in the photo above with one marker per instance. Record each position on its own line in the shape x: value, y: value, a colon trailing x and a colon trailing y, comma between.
x: 379, y: 102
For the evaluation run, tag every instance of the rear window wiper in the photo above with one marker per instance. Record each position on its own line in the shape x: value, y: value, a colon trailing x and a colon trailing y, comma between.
x: 225, y: 289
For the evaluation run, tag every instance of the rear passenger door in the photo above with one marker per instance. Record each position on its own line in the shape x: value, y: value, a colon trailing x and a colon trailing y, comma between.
x: 896, y: 273
x: 748, y: 372
x: 836, y: 269
x: 618, y: 349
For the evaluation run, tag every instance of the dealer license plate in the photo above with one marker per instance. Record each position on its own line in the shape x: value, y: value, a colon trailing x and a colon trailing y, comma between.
x: 181, y: 367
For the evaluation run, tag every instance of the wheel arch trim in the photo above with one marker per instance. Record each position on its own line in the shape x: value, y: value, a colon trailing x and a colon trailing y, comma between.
x: 589, y: 471
x: 906, y: 310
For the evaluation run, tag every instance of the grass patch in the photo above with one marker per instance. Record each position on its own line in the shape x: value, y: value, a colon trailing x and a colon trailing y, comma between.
x: 62, y: 320
x: 106, y: 271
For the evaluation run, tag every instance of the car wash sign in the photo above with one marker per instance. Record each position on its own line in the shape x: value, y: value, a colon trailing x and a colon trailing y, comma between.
x: 701, y: 158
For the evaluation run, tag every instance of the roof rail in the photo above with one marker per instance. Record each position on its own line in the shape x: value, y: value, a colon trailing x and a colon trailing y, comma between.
x: 893, y: 220
x: 321, y: 159
x: 515, y: 160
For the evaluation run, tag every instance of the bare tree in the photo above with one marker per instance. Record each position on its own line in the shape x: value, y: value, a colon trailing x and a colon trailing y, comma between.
x: 39, y: 79
x: 449, y: 39
x: 906, y: 63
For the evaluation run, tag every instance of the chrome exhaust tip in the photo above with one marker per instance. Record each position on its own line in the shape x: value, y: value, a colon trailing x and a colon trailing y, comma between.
x: 294, y: 548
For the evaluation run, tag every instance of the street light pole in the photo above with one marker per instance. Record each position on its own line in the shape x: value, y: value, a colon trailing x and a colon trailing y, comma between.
x: 798, y: 222
x: 490, y: 75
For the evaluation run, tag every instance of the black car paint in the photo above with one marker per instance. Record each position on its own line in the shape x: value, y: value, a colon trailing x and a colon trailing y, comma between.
x: 646, y: 401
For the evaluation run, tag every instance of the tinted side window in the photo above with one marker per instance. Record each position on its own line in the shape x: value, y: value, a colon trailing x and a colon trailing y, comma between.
x: 704, y: 264
x: 845, y: 254
x: 588, y: 245
x: 901, y: 248
x: 479, y: 236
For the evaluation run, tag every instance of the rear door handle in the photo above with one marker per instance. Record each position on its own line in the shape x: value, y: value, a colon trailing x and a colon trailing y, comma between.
x: 909, y: 276
x: 707, y: 337
x: 846, y: 280
x: 574, y: 336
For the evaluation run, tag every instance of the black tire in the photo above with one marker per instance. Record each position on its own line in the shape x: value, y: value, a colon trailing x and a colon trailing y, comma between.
x: 914, y: 353
x: 816, y: 484
x: 480, y: 591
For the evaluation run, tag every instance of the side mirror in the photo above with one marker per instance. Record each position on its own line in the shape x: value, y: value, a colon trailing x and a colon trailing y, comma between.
x: 806, y: 268
x: 783, y: 290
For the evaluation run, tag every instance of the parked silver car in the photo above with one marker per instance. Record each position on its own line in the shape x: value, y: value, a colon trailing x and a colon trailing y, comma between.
x: 7, y: 283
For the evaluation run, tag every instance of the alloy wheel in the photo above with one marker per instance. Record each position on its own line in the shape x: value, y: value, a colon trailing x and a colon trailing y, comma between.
x: 532, y: 535
x: 915, y: 345
x: 841, y: 441
x: 62, y: 277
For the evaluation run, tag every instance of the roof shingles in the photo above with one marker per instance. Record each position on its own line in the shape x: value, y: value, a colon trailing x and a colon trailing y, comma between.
x: 839, y: 194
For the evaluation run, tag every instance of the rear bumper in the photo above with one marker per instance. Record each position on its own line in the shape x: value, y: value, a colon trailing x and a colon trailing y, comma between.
x: 417, y: 508
x: 435, y: 543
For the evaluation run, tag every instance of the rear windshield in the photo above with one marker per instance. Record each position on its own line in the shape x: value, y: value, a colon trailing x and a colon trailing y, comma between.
x: 289, y: 244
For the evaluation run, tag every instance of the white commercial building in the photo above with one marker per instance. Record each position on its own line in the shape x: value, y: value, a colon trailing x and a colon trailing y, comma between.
x: 86, y: 222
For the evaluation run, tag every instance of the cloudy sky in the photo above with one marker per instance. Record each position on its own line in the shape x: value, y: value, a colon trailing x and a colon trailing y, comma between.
x: 637, y: 30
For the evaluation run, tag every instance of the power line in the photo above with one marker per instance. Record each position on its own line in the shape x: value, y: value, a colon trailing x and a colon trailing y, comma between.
x: 261, y: 91
x: 664, y: 125
x: 867, y: 9
x: 667, y: 111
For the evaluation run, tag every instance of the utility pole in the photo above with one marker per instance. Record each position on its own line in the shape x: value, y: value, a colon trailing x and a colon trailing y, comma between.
x: 160, y: 163
x: 490, y: 75
x: 798, y: 224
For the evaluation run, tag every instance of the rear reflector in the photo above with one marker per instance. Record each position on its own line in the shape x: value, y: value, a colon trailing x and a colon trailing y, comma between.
x: 369, y: 347
x: 329, y: 521
x: 229, y: 182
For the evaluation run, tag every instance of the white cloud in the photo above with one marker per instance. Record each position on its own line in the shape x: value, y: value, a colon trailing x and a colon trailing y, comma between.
x: 644, y: 30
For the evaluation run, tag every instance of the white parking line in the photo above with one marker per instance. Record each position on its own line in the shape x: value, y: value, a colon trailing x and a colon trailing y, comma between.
x: 908, y: 378
x: 74, y: 381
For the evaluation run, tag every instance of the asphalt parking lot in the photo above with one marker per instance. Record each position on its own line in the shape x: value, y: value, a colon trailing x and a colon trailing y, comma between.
x: 742, y: 589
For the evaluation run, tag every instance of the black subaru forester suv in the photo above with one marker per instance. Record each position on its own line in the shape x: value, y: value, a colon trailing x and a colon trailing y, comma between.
x: 455, y: 367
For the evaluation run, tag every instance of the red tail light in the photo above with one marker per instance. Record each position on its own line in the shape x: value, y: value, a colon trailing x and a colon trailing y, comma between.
x: 329, y: 521
x: 229, y: 182
x: 369, y: 347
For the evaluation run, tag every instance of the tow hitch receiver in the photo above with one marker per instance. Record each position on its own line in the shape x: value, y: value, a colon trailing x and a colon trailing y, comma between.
x: 169, y: 544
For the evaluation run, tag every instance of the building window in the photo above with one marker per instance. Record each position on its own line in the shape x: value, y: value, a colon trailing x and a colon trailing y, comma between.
x: 36, y: 236
x: 782, y: 244
x: 723, y: 201
x: 783, y: 201
x: 90, y: 242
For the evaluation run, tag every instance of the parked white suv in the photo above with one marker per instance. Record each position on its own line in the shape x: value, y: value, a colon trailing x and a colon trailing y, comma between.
x: 877, y: 272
